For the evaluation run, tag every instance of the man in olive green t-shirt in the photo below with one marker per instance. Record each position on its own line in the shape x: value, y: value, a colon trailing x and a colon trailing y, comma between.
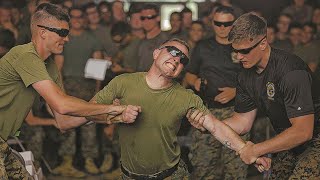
x: 149, y: 147
x: 27, y: 71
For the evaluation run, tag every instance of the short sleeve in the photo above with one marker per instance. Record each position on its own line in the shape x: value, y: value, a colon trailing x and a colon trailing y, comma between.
x: 31, y: 69
x: 243, y: 102
x: 197, y: 103
x: 296, y: 89
x: 108, y: 93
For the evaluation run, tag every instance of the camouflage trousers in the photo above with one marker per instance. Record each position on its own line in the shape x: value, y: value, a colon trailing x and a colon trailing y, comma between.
x: 84, y: 89
x: 10, y: 166
x: 34, y: 137
x: 304, y: 166
x: 180, y: 174
x: 211, y: 159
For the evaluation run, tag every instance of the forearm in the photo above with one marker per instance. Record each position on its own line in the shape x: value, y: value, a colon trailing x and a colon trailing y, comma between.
x: 65, y: 122
x: 108, y: 119
x: 77, y: 107
x: 41, y: 121
x: 190, y: 79
x: 286, y: 140
x: 223, y: 133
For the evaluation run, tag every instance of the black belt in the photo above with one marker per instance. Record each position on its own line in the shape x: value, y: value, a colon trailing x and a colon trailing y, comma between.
x: 157, y: 176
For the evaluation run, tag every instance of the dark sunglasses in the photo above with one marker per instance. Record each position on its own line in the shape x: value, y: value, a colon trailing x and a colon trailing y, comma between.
x: 248, y: 50
x: 142, y: 18
x: 175, y: 52
x: 225, y: 24
x: 60, y: 32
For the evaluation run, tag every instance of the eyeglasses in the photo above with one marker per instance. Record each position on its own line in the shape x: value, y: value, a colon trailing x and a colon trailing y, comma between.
x: 142, y: 18
x: 175, y: 52
x: 248, y: 50
x: 60, y: 32
x: 225, y: 24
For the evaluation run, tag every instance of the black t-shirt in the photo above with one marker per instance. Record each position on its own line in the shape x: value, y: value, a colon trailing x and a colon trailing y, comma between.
x: 213, y: 61
x: 285, y: 89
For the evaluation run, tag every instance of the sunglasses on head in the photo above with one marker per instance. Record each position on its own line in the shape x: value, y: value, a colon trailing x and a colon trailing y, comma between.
x: 175, y: 52
x: 142, y: 18
x: 60, y: 32
x: 248, y: 50
x: 225, y: 24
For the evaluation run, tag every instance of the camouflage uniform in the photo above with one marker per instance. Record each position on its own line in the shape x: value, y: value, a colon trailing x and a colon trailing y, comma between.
x: 10, y: 166
x: 84, y: 89
x: 180, y: 174
x: 303, y: 165
x: 211, y: 159
x: 34, y: 136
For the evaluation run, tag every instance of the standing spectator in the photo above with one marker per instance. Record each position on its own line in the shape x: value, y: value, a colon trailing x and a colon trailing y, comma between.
x: 299, y: 11
x: 176, y: 26
x: 7, y: 41
x: 154, y: 36
x: 118, y: 13
x: 308, y: 51
x: 81, y: 46
x: 101, y: 32
x: 237, y: 10
x: 212, y: 66
x: 105, y: 13
x: 271, y: 34
x: 294, y: 38
x: 135, y: 21
x: 283, y: 23
x: 186, y: 19
x: 6, y: 21
x: 316, y: 21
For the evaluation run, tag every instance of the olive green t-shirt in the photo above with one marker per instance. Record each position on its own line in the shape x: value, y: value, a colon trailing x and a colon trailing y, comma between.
x: 149, y: 145
x: 309, y: 53
x: 19, y: 69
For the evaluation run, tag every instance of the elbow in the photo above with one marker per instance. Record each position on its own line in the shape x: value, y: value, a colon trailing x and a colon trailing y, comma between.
x: 307, y: 136
x: 62, y: 110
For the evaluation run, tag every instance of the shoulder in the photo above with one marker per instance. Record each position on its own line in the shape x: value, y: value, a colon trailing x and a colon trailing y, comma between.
x: 285, y: 62
x: 129, y: 76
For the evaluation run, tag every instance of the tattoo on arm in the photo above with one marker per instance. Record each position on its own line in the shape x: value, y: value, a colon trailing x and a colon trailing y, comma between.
x: 227, y: 144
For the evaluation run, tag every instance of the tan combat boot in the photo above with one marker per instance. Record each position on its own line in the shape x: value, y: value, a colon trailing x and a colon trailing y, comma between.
x: 107, y: 163
x: 113, y: 175
x: 66, y: 169
x: 90, y: 166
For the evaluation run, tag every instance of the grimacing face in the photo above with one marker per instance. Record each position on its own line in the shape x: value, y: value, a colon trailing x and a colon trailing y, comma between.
x: 168, y: 65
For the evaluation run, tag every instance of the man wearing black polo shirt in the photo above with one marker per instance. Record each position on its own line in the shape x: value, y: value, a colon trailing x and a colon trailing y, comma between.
x: 280, y: 85
x: 212, y: 62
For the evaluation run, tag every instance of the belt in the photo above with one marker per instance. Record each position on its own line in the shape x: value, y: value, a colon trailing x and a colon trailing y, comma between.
x: 157, y: 176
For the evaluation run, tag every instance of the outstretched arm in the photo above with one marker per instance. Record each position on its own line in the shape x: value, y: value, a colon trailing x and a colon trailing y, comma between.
x: 68, y: 105
x: 225, y: 135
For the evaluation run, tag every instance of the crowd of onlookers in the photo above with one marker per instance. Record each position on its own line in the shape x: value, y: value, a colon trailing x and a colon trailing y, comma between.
x: 106, y: 31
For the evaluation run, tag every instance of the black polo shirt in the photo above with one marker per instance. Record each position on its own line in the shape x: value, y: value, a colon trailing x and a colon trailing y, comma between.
x: 213, y: 61
x: 285, y: 89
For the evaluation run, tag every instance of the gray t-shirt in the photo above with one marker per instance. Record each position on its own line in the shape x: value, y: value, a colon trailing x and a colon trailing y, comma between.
x: 76, y: 53
x: 146, y: 49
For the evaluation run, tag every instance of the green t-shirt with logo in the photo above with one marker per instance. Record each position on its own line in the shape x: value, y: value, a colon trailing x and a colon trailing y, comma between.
x: 19, y: 69
x: 149, y: 145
